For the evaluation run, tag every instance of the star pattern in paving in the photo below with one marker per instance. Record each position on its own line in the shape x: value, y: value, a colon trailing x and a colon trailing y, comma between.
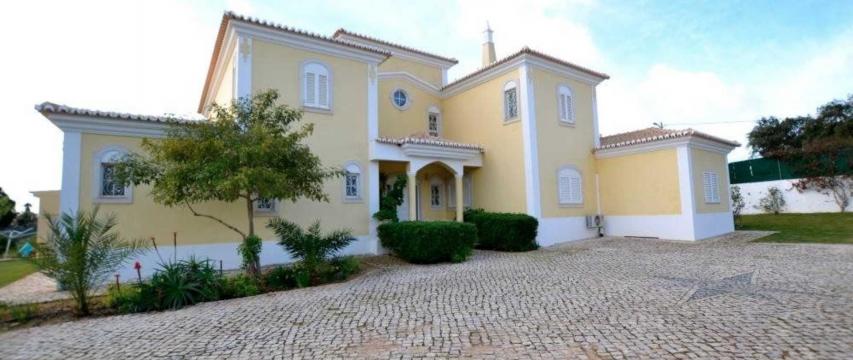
x: 742, y: 284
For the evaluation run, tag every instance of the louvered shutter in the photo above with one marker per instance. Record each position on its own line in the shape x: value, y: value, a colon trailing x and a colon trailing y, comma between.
x: 565, y: 187
x: 323, y: 90
x: 575, y: 189
x: 707, y: 188
x: 563, y: 107
x: 310, y: 89
x: 569, y: 115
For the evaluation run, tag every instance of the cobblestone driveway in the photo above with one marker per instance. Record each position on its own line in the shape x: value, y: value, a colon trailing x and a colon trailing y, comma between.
x: 606, y: 298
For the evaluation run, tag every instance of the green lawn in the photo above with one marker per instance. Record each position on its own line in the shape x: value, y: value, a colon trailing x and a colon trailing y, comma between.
x: 826, y: 228
x: 11, y: 270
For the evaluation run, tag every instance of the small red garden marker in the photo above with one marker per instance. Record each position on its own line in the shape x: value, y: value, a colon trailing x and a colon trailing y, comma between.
x: 138, y: 266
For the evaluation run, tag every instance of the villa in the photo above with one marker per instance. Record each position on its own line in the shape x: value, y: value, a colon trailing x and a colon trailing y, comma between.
x: 520, y: 134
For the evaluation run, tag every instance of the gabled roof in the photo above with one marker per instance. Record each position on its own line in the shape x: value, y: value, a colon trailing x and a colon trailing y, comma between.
x: 656, y: 134
x: 229, y: 16
x: 424, y: 139
x: 344, y: 32
x: 528, y: 51
x: 52, y: 108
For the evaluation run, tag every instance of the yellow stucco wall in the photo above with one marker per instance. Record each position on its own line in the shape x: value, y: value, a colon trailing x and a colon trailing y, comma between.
x: 476, y: 116
x: 48, y: 205
x: 640, y: 184
x: 225, y: 92
x: 397, y: 123
x: 430, y: 74
x: 563, y: 145
x: 709, y: 161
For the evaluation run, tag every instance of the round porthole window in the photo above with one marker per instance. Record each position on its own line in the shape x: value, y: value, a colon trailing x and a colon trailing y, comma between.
x: 400, y: 99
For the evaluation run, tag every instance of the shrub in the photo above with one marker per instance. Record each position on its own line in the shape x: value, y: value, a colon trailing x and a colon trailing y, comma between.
x: 738, y: 203
x: 311, y: 247
x: 130, y: 298
x: 391, y: 200
x: 340, y: 268
x: 239, y: 286
x: 429, y: 242
x: 774, y: 202
x: 280, y: 278
x: 503, y: 231
x: 81, y: 251
x: 183, y: 283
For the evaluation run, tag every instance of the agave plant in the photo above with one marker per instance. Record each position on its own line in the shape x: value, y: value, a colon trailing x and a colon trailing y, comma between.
x: 311, y: 247
x: 81, y: 251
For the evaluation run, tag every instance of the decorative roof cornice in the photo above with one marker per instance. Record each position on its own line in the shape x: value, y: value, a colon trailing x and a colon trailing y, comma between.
x: 429, y: 140
x: 230, y: 16
x: 530, y: 52
x: 654, y: 134
x: 343, y: 33
x: 47, y: 108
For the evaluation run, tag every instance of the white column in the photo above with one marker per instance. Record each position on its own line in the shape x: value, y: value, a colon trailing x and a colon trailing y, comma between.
x: 460, y: 200
x: 529, y: 137
x: 413, y: 196
x: 243, y: 64
x: 373, y: 166
x: 69, y: 195
x: 686, y: 190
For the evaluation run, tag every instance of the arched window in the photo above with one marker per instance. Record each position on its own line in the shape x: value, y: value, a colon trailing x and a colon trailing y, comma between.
x: 352, y: 182
x: 510, y: 101
x: 436, y: 186
x: 569, y: 186
x: 107, y: 187
x: 433, y: 122
x: 316, y: 86
x: 565, y: 102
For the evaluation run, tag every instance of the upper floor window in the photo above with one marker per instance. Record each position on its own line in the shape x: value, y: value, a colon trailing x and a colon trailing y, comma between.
x: 352, y: 182
x: 711, y: 186
x: 316, y: 88
x: 569, y: 186
x: 400, y: 99
x: 107, y: 185
x: 433, y: 122
x: 510, y: 101
x: 566, y: 104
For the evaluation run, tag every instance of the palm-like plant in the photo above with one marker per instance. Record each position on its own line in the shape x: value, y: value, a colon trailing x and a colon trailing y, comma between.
x: 311, y: 247
x: 81, y: 251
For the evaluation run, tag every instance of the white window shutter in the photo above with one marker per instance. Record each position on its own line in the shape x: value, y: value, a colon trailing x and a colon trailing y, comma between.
x: 565, y: 188
x: 563, y: 107
x: 310, y: 89
x: 715, y: 192
x: 323, y: 90
x: 576, y: 189
x: 569, y: 110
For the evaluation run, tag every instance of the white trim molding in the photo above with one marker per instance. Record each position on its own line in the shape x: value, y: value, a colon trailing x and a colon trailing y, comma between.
x: 69, y: 195
x: 414, y: 80
x: 527, y: 113
x: 691, y: 141
x: 556, y: 230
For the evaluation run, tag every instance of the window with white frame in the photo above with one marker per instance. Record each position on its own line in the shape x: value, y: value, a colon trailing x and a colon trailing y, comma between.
x: 569, y: 186
x: 566, y: 105
x: 435, y: 191
x: 510, y: 101
x: 108, y: 186
x: 400, y: 99
x: 710, y: 182
x: 316, y: 86
x: 352, y: 182
x: 265, y: 205
x: 433, y: 122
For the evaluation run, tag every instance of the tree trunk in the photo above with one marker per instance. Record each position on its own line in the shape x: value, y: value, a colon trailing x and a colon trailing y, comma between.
x: 250, y: 209
x: 254, y: 268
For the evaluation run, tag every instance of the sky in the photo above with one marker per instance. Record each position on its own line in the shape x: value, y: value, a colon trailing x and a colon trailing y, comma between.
x: 716, y: 66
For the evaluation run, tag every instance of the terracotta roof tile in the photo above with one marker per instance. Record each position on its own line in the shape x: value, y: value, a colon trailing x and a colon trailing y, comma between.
x: 528, y: 51
x: 343, y: 31
x: 424, y: 139
x: 53, y: 108
x: 655, y: 134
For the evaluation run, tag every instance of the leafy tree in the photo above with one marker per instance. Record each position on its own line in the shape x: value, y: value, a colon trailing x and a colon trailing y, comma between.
x: 773, y: 202
x: 7, y: 210
x: 250, y: 150
x: 26, y: 219
x: 738, y: 203
x: 819, y: 149
x: 311, y: 246
x: 81, y: 251
x: 392, y: 199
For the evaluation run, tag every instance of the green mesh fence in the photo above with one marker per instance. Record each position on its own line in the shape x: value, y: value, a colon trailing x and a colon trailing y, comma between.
x: 756, y: 170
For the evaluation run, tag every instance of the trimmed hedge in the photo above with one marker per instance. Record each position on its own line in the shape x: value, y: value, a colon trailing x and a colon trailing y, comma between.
x: 504, y: 231
x: 429, y: 242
